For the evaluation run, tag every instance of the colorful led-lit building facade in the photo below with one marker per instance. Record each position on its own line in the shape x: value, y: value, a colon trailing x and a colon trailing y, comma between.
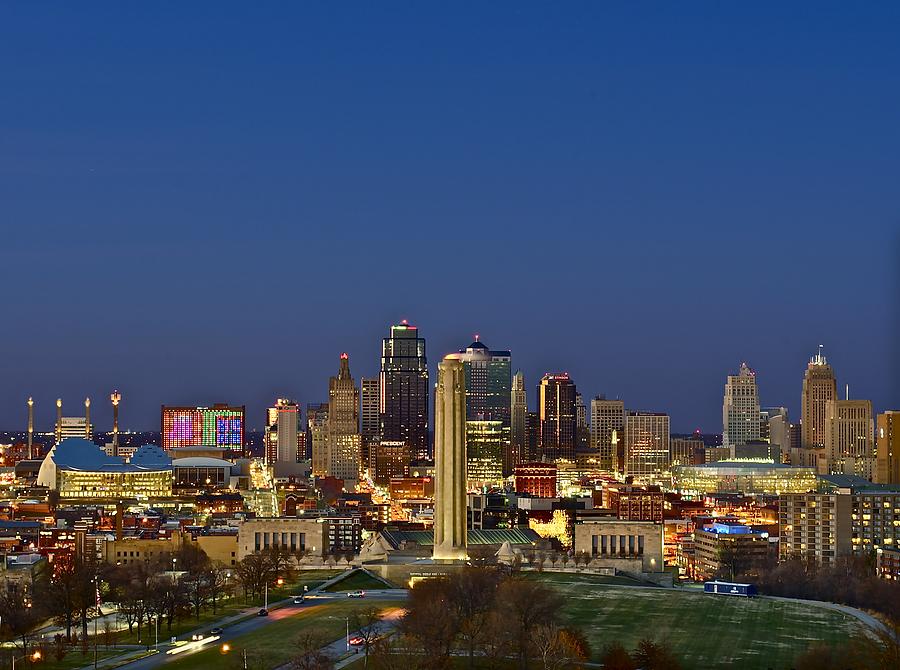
x: 219, y: 426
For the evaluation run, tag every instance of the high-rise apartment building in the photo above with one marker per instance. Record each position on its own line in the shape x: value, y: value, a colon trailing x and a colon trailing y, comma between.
x: 850, y: 437
x: 287, y: 426
x: 343, y: 425
x: 217, y: 426
x: 887, y: 446
x: 607, y: 418
x: 404, y: 390
x: 518, y: 411
x: 854, y: 521
x: 819, y: 386
x: 282, y: 432
x: 488, y: 402
x: 646, y: 445
x: 740, y: 409
x: 556, y: 405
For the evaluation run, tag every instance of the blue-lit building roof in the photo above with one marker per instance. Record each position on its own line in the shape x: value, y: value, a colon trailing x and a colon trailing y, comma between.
x: 80, y: 455
x: 151, y: 457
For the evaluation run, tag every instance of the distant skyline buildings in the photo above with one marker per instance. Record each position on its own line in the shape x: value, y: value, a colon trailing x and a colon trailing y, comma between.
x: 583, y: 443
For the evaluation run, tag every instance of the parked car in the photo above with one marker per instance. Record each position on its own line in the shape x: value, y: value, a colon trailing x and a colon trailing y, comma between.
x: 356, y: 594
x: 298, y: 600
x: 263, y: 612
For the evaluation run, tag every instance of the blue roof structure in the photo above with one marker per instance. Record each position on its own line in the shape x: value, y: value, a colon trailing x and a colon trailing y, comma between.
x: 76, y: 453
x: 151, y: 457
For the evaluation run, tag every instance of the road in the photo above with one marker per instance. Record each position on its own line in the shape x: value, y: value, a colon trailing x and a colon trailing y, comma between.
x: 277, y: 611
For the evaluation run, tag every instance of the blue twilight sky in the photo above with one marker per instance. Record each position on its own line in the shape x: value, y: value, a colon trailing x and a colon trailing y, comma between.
x: 207, y: 202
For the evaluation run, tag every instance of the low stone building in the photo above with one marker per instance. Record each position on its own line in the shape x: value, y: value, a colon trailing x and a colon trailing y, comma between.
x: 307, y: 535
x: 628, y: 546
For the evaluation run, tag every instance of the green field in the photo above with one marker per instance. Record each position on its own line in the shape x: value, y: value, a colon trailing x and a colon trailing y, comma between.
x: 273, y: 644
x: 705, y: 631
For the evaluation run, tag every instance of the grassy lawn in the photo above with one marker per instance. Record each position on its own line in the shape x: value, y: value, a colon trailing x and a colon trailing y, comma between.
x: 228, y: 607
x: 584, y: 578
x: 706, y: 631
x: 272, y: 645
x: 357, y: 581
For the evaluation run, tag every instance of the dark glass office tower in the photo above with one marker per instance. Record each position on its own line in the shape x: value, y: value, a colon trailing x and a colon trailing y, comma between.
x: 404, y: 390
x: 556, y: 405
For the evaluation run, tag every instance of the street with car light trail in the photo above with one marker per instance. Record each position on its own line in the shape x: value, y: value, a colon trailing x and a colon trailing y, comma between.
x: 316, y: 605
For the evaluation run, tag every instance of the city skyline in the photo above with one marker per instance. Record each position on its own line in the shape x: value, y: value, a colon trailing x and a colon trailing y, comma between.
x: 100, y: 408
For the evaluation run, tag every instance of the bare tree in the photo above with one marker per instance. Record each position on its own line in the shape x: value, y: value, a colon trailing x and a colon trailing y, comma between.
x: 527, y: 605
x: 310, y: 655
x: 367, y: 624
x: 560, y: 648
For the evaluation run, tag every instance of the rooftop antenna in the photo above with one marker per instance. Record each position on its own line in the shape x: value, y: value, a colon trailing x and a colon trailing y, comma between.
x: 87, y: 418
x: 847, y: 393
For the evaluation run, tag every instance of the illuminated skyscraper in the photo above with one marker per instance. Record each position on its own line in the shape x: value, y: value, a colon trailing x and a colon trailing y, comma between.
x: 556, y: 405
x: 740, y: 409
x: 282, y: 431
x: 404, y: 390
x: 217, y: 426
x: 646, y: 445
x: 488, y: 397
x: 607, y: 419
x: 518, y: 419
x: 850, y: 437
x: 343, y: 425
x: 819, y: 386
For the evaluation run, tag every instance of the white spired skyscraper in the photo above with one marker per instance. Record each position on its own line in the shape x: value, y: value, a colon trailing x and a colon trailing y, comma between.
x: 740, y: 409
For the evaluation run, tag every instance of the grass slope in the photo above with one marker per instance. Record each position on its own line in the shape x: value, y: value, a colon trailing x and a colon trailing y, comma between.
x: 358, y: 580
x: 706, y: 631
